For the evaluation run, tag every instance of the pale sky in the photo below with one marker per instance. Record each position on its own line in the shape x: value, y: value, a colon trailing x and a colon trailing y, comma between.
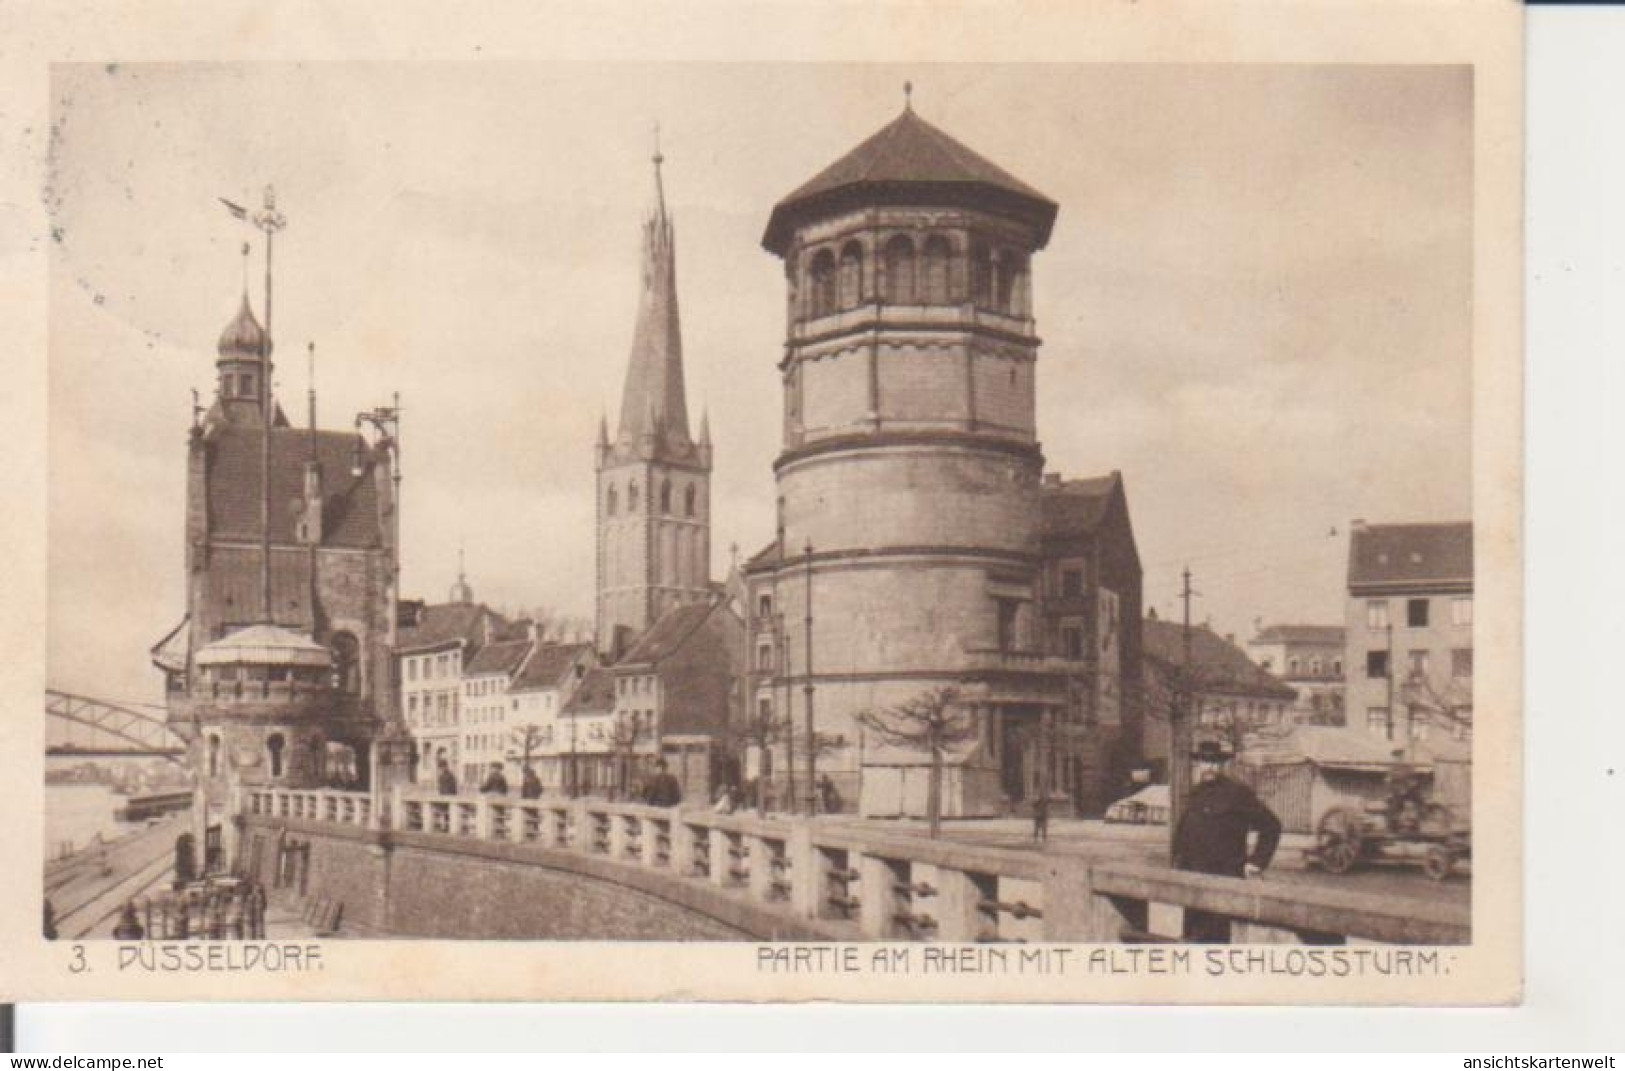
x: 1256, y: 303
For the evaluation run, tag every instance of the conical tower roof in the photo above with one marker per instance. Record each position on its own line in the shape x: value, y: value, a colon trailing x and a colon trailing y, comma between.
x: 909, y: 161
x: 653, y: 402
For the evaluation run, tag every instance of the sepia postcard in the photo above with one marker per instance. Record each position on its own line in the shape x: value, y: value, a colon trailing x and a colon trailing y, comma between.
x: 885, y: 502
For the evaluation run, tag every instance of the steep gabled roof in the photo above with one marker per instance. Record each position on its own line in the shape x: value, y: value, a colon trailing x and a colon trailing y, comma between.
x: 1078, y: 506
x: 547, y: 666
x: 1216, y: 664
x: 350, y: 516
x: 595, y: 696
x: 909, y: 161
x: 668, y: 634
x: 1411, y: 554
x: 504, y: 656
x: 446, y: 623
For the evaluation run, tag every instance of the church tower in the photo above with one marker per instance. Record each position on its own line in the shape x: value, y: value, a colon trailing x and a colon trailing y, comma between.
x: 654, y: 479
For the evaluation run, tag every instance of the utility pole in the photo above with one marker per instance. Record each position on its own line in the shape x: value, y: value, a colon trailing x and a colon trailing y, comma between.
x: 1388, y: 710
x: 789, y: 720
x: 1180, y: 738
x: 807, y: 693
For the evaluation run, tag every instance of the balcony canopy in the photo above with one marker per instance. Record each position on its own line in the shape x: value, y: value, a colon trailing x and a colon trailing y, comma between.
x: 265, y: 645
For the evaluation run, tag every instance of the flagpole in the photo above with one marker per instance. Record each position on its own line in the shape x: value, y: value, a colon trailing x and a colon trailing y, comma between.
x: 270, y: 221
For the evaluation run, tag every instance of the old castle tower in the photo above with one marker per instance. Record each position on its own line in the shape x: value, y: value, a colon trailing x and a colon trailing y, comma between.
x: 911, y: 551
x: 654, y: 479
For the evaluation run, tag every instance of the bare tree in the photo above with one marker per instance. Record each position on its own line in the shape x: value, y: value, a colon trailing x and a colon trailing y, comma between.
x: 525, y: 741
x: 624, y: 736
x: 1451, y: 706
x: 931, y: 722
x: 761, y: 729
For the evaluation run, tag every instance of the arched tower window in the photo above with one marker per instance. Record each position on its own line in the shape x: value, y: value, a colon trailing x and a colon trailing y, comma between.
x: 823, y: 283
x: 981, y: 276
x: 214, y: 755
x: 612, y: 501
x: 1007, y: 272
x: 632, y: 497
x: 850, y: 279
x: 688, y: 500
x: 899, y: 288
x: 346, y: 662
x: 273, y: 747
x: 934, y: 281
x: 665, y: 496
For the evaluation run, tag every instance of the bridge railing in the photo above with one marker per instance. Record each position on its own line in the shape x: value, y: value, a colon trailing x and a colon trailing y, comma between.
x: 862, y: 883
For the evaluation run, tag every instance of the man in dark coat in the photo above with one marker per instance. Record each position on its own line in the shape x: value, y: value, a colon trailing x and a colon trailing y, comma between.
x: 445, y: 780
x: 662, y: 789
x: 530, y: 786
x: 1212, y: 835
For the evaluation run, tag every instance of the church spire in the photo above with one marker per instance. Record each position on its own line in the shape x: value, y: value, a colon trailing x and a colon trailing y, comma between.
x: 653, y: 404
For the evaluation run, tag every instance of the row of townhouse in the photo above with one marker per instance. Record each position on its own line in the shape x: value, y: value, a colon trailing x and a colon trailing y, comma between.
x: 478, y: 691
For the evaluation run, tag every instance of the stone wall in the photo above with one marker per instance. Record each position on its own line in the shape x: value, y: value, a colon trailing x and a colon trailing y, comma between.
x: 408, y: 885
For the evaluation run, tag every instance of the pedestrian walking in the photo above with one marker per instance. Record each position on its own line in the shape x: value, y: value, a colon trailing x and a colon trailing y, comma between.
x: 1220, y: 815
x: 1041, y: 818
x: 828, y: 797
x: 445, y: 780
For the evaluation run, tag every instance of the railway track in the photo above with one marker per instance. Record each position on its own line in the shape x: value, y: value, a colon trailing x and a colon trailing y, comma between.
x: 83, y: 919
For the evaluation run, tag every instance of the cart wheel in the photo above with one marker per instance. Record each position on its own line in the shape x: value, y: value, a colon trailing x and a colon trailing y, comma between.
x: 1438, y: 862
x: 1338, y: 846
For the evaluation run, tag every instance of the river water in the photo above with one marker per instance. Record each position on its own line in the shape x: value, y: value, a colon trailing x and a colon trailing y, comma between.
x: 75, y: 814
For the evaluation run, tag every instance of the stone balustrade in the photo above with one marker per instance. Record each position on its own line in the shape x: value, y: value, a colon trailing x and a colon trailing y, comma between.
x: 313, y: 805
x: 849, y: 881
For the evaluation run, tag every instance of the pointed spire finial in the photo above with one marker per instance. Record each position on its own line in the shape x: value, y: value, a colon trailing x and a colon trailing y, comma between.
x: 245, y: 270
x: 660, y: 186
x: 310, y: 390
x: 603, y: 428
x: 908, y: 96
x: 705, y: 426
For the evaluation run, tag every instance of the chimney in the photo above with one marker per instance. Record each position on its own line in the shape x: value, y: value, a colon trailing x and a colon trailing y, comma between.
x: 1052, y: 479
x: 1357, y: 524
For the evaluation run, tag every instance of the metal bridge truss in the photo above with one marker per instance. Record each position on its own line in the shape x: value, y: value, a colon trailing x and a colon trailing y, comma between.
x: 112, y: 729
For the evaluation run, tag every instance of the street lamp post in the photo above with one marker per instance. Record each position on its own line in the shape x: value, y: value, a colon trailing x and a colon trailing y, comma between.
x: 393, y: 746
x: 807, y: 693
